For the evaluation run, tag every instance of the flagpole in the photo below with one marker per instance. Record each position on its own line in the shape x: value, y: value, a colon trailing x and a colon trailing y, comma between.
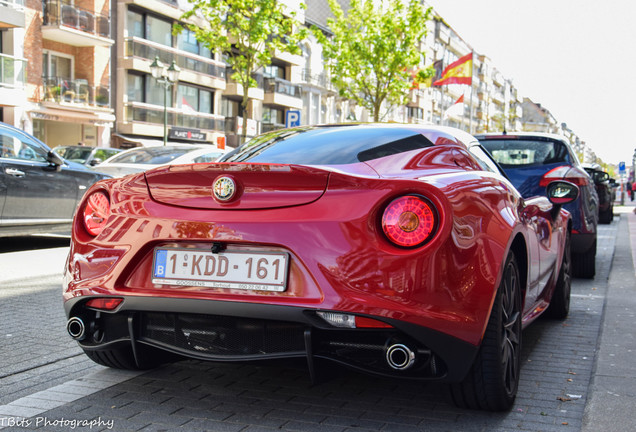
x: 470, y: 110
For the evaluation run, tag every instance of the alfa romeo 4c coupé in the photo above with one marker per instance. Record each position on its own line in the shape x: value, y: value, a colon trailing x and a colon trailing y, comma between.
x: 397, y: 250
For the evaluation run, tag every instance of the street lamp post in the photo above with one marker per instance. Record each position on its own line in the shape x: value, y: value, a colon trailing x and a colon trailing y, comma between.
x: 166, y: 78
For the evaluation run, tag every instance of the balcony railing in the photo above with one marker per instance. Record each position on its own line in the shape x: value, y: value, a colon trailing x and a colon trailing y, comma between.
x: 268, y: 127
x: 58, y: 13
x: 318, y: 80
x: 282, y: 86
x: 146, y: 113
x: 78, y: 92
x: 136, y: 47
x: 12, y: 71
x: 14, y: 4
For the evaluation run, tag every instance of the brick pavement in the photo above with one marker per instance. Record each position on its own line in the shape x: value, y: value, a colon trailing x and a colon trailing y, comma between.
x: 35, y: 346
x: 558, y: 360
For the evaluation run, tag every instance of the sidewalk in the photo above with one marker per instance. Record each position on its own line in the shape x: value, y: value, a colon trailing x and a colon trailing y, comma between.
x: 17, y: 266
x: 613, y: 390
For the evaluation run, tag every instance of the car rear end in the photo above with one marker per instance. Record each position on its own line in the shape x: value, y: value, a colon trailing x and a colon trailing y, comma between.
x: 532, y: 161
x: 295, y: 262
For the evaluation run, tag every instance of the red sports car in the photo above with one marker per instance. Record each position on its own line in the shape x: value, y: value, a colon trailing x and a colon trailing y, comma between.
x: 398, y: 250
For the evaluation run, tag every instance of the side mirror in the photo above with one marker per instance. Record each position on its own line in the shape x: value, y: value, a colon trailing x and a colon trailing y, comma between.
x: 95, y: 161
x: 562, y: 192
x: 55, y: 159
x: 603, y: 177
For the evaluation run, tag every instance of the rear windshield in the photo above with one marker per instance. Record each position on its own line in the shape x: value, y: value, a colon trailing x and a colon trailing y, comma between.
x: 327, y: 145
x: 522, y: 152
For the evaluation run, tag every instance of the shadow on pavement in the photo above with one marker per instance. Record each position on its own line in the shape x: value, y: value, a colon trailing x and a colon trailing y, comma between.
x: 16, y: 244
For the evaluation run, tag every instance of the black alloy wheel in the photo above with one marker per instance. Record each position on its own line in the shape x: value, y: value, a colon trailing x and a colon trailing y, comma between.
x: 493, y: 380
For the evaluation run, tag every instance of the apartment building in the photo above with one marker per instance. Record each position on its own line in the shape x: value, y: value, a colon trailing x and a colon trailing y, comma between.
x: 60, y: 80
x: 13, y: 65
x: 203, y: 105
x: 81, y: 72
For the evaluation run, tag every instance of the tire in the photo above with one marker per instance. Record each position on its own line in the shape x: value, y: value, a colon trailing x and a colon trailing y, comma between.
x: 607, y: 216
x: 584, y: 264
x: 493, y: 380
x: 560, y: 303
x: 120, y: 358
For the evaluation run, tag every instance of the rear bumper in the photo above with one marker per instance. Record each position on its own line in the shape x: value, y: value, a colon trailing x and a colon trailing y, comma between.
x: 233, y: 331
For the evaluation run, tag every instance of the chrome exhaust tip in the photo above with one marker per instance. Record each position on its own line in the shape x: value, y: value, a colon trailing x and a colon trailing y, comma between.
x: 75, y: 327
x: 399, y: 357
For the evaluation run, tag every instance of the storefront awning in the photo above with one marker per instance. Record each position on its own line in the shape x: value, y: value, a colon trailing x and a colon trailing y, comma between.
x: 134, y: 141
x: 74, y: 115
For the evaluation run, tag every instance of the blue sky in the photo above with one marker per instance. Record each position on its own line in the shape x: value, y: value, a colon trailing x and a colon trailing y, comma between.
x: 575, y: 57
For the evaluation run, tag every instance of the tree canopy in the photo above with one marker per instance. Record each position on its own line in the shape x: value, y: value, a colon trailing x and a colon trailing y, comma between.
x: 248, y: 32
x: 374, y: 49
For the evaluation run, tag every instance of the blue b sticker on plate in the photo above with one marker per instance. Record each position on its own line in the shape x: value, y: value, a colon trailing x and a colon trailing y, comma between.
x: 160, y: 263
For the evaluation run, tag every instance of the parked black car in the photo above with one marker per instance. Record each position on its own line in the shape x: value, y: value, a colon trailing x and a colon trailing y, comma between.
x: 533, y: 160
x: 39, y: 190
x: 605, y: 191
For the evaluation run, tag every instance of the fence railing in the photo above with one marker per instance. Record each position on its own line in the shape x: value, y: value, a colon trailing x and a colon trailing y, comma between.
x: 14, y: 4
x: 64, y: 14
x: 78, y: 91
x: 12, y: 71
x: 137, y: 47
x: 318, y: 80
x: 141, y: 112
x: 282, y: 86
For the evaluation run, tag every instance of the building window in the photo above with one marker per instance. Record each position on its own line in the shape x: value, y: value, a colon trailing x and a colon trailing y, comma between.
x: 57, y: 65
x: 135, y: 86
x: 194, y: 99
x: 273, y: 115
x: 414, y: 112
x: 274, y: 71
x: 229, y: 107
x: 144, y: 88
x: 135, y: 22
x: 149, y: 27
x: 187, y: 41
x: 158, y: 30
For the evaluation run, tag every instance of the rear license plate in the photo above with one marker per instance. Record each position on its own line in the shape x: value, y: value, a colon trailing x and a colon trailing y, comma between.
x: 249, y: 270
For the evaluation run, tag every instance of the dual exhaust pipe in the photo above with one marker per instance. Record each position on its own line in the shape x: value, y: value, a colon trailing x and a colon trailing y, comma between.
x: 76, y: 328
x: 399, y: 356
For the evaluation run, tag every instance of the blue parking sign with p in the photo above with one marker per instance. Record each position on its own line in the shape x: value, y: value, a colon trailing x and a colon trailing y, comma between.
x: 292, y: 118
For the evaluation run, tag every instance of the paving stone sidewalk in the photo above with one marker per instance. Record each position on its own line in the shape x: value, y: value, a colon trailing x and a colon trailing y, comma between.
x: 558, y: 363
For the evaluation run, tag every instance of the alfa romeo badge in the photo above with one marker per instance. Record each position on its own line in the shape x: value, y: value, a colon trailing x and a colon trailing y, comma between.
x: 224, y: 188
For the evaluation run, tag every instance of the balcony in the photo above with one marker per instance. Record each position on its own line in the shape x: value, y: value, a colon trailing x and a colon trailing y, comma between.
x: 11, y: 14
x: 234, y: 90
x: 12, y: 71
x: 152, y: 115
x: 75, y: 92
x: 194, y: 68
x: 75, y: 26
x: 282, y: 93
x: 268, y: 127
x: 320, y: 81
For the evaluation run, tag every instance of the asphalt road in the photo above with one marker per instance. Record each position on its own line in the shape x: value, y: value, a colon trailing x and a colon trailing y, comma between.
x: 41, y: 368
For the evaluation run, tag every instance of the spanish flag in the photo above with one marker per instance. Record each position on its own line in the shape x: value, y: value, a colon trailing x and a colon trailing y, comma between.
x: 458, y: 72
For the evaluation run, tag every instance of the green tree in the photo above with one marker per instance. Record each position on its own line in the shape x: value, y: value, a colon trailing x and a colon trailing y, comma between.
x: 248, y: 32
x: 372, y: 50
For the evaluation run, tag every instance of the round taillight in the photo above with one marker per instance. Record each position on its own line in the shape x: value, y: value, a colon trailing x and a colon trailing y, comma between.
x: 95, y: 214
x: 409, y: 221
